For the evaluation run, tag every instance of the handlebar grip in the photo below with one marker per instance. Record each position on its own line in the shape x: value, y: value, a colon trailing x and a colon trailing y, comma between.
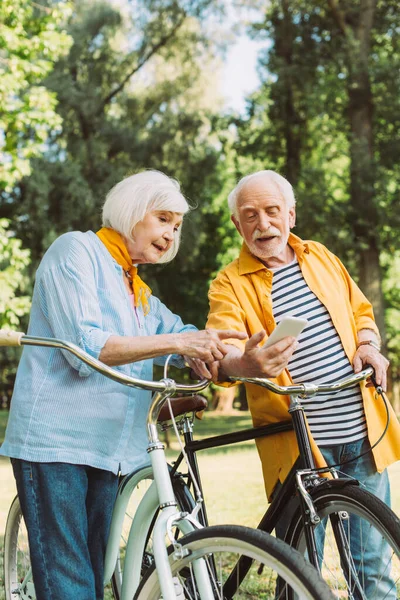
x: 10, y: 338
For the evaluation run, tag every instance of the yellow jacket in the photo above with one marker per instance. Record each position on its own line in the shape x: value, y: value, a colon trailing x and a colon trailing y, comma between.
x: 240, y: 299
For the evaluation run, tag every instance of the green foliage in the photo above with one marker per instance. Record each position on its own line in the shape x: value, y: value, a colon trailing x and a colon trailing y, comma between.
x: 136, y: 89
x: 14, y: 301
x: 129, y: 102
x: 31, y: 39
x: 392, y: 294
x: 327, y: 117
x: 13, y: 262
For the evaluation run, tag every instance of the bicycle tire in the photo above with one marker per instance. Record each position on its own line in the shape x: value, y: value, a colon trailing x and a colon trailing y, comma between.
x: 18, y: 584
x: 354, y: 506
x: 145, y: 479
x: 276, y: 557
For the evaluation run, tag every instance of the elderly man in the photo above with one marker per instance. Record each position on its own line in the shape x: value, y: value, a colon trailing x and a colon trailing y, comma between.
x: 277, y: 274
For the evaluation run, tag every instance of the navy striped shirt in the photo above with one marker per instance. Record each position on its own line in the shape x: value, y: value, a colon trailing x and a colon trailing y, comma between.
x: 334, y: 418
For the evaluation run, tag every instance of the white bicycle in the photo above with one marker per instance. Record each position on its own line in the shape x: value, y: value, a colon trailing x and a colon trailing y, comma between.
x: 199, y: 559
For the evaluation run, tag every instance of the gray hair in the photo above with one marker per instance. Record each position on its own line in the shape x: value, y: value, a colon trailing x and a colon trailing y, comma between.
x: 131, y: 199
x: 281, y: 183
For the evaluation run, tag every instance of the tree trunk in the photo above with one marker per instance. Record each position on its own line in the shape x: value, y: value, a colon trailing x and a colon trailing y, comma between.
x: 291, y: 118
x: 357, y: 31
x: 223, y: 398
x: 371, y: 283
x: 395, y: 399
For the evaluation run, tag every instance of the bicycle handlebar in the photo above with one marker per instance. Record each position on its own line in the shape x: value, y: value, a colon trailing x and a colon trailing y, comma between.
x: 10, y: 338
x: 14, y: 338
x: 308, y: 389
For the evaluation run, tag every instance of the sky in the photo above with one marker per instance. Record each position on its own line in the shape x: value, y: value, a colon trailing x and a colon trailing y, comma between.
x: 239, y: 75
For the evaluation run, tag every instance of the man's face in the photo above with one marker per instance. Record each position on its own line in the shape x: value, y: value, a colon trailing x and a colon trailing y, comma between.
x: 264, y: 220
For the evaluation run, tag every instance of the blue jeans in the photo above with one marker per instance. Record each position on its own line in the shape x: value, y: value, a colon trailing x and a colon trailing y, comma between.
x: 375, y: 553
x: 67, y: 510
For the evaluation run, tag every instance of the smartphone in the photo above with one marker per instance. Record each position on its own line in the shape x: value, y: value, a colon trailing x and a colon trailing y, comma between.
x: 289, y: 326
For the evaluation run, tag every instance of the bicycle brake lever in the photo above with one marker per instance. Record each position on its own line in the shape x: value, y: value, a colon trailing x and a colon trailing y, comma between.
x: 377, y: 387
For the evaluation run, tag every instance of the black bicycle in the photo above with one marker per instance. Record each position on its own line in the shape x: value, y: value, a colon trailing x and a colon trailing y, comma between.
x: 351, y: 536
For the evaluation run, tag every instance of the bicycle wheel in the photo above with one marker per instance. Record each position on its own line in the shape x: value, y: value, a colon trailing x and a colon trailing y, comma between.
x: 18, y: 581
x: 144, y: 480
x: 358, y: 542
x: 220, y: 547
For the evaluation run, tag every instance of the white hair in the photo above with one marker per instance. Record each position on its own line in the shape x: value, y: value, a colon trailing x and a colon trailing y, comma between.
x: 280, y: 182
x: 131, y: 199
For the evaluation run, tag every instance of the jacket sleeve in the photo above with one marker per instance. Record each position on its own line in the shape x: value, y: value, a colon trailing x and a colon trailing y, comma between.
x: 225, y: 309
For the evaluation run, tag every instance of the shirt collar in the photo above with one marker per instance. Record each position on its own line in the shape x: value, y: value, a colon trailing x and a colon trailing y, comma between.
x: 248, y: 263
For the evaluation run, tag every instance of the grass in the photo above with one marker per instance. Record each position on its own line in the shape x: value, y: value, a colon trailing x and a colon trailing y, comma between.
x: 231, y: 477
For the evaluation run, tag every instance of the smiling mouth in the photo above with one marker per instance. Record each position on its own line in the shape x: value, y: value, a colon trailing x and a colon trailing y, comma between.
x: 159, y: 248
x: 266, y: 239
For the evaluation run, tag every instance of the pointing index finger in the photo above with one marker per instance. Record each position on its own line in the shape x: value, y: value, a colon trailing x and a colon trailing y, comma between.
x: 225, y: 334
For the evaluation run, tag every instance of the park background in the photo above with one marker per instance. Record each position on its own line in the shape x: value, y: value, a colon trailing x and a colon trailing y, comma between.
x: 95, y: 91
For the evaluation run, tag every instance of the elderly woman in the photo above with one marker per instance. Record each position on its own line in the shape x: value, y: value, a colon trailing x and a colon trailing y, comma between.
x: 71, y: 431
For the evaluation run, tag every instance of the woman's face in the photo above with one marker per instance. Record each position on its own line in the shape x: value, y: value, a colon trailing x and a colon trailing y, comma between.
x: 153, y: 236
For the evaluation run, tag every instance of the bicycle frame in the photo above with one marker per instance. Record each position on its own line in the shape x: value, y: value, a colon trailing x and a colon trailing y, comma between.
x: 302, y: 475
x: 161, y: 495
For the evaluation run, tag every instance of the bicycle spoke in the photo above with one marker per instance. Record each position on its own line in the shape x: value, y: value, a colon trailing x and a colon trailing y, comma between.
x: 273, y: 571
x: 358, y: 545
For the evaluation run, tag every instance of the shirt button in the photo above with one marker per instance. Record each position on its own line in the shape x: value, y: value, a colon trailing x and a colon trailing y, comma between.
x: 268, y: 274
x: 269, y: 322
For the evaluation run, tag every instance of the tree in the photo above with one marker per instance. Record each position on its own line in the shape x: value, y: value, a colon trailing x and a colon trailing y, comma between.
x: 32, y: 37
x: 391, y: 290
x: 355, y: 23
x: 126, y: 106
x: 13, y: 262
x: 14, y: 302
x: 324, y: 119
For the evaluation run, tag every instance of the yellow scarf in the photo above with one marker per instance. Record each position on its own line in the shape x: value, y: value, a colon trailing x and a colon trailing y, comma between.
x: 114, y: 243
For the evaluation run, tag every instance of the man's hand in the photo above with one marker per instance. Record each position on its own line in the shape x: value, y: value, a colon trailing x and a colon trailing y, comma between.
x: 256, y: 361
x: 368, y: 355
x: 200, y: 368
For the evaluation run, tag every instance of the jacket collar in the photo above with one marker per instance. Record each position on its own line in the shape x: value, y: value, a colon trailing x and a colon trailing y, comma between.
x: 248, y: 263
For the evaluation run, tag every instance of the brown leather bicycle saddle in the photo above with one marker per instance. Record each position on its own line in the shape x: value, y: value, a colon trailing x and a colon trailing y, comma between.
x: 183, y: 404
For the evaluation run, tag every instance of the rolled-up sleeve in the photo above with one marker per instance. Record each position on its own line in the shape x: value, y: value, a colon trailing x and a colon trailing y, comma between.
x: 225, y: 310
x: 168, y: 322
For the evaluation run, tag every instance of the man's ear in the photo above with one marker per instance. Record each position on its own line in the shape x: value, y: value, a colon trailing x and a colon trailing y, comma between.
x: 235, y: 221
x: 292, y: 217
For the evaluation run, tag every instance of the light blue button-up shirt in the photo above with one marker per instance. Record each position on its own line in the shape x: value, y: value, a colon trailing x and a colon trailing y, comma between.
x: 62, y: 410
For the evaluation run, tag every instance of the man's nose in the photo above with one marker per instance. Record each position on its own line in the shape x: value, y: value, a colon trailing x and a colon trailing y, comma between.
x: 264, y: 222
